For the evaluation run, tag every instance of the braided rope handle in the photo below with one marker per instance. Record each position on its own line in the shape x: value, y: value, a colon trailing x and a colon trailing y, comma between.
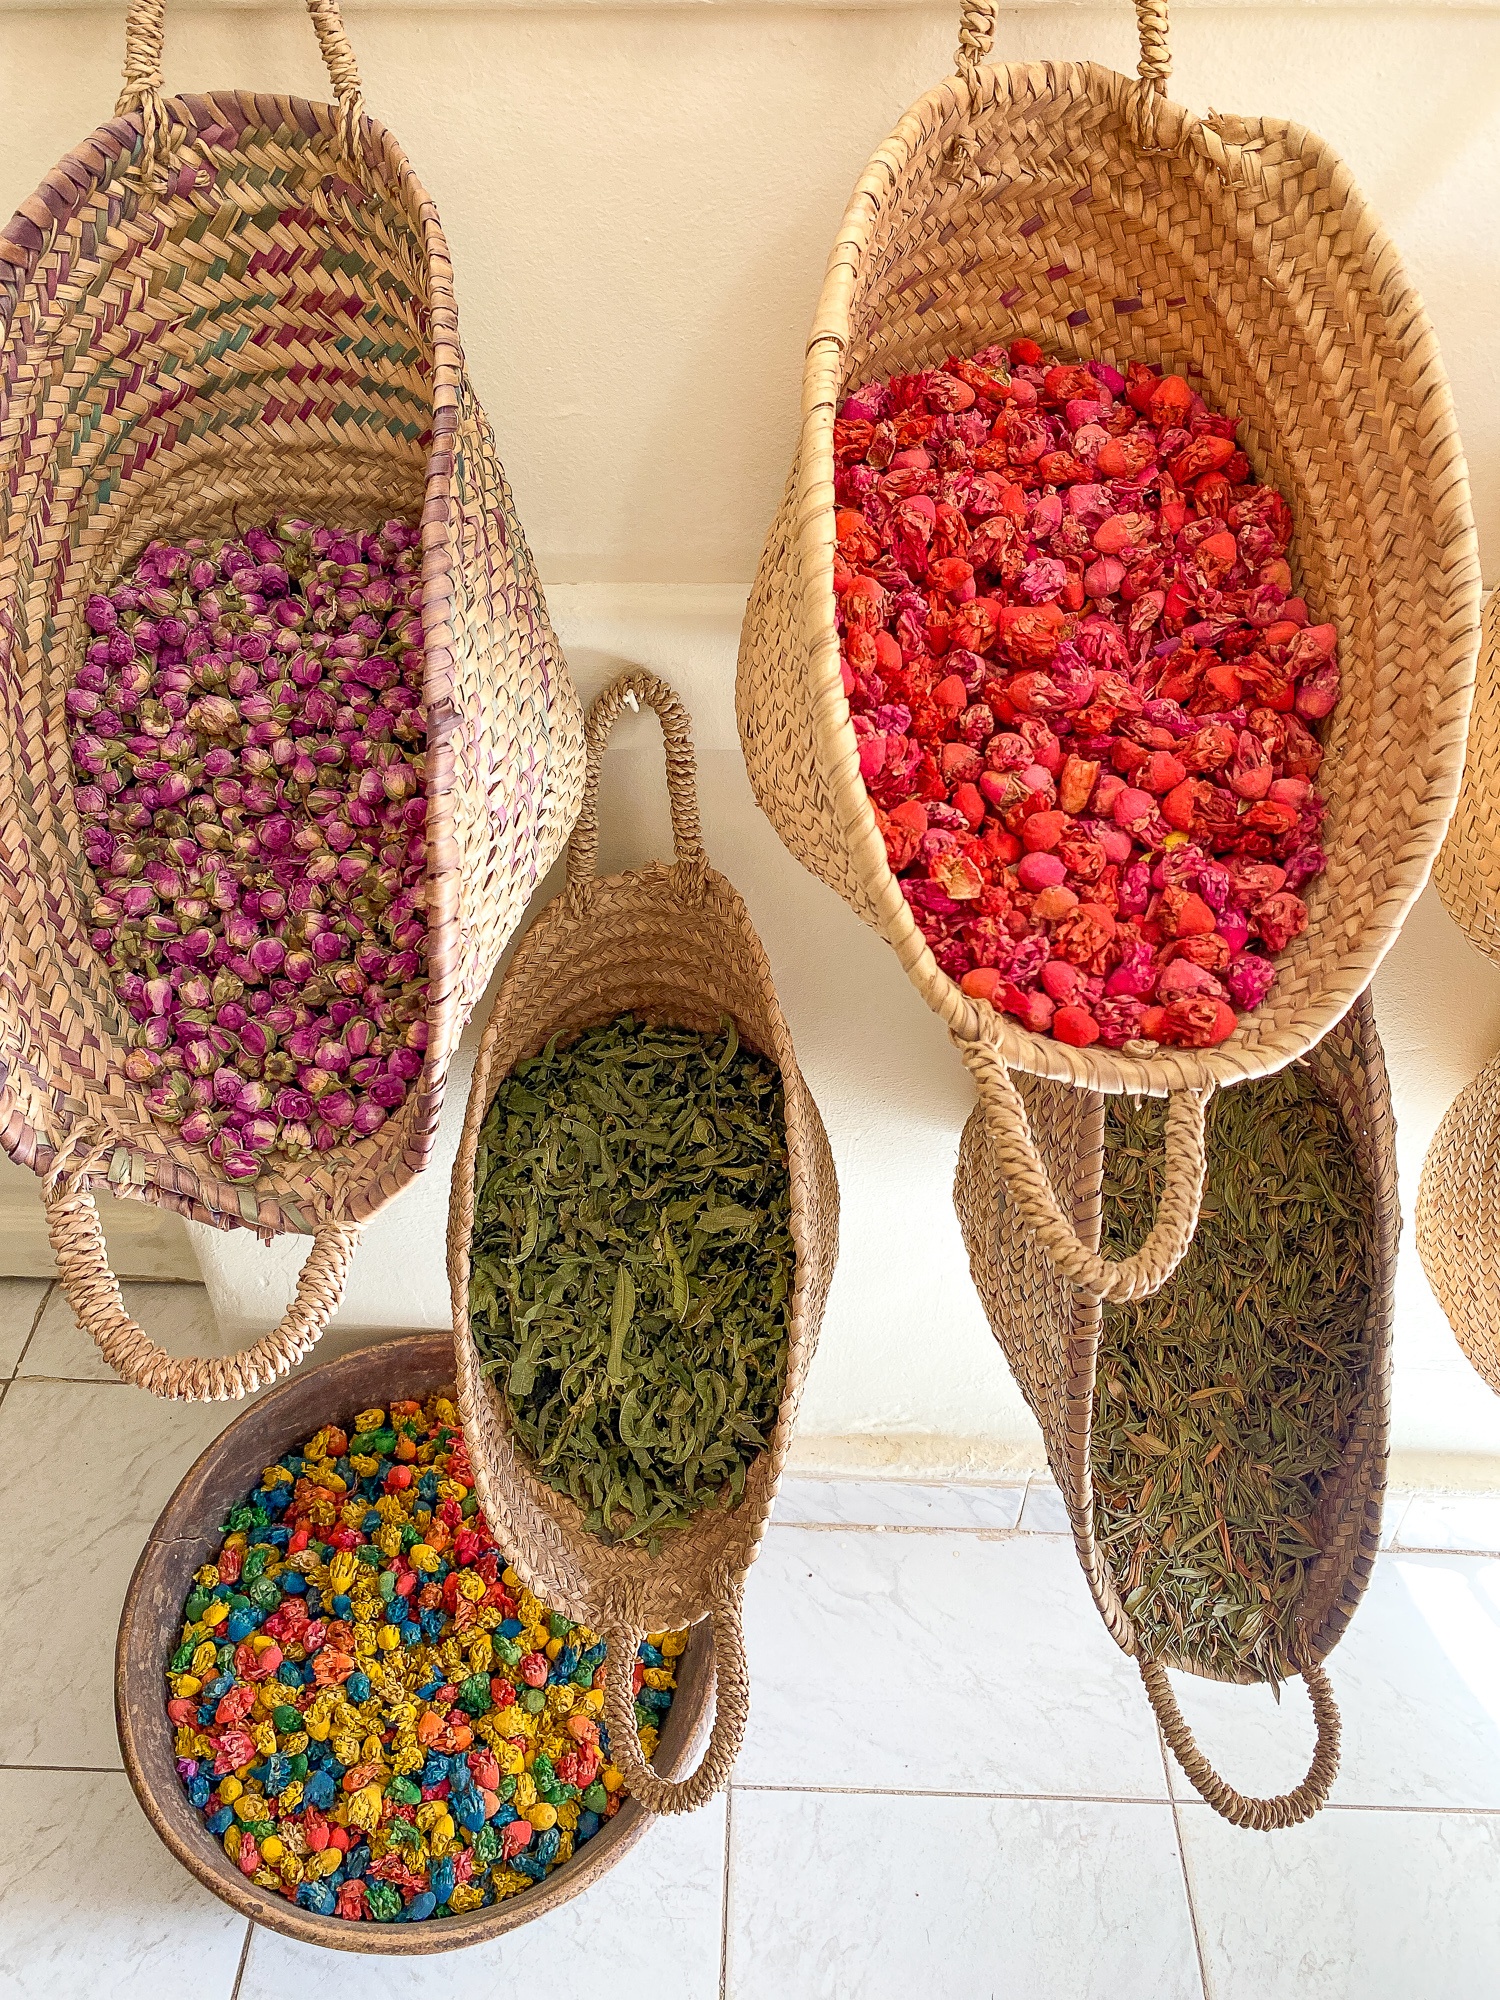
x: 629, y: 690
x: 731, y: 1712
x: 93, y: 1291
x: 1035, y: 1201
x: 976, y: 38
x: 142, y: 92
x: 1260, y: 1815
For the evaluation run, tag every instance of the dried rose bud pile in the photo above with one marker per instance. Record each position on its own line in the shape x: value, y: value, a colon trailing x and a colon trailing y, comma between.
x: 248, y: 740
x: 1081, y: 688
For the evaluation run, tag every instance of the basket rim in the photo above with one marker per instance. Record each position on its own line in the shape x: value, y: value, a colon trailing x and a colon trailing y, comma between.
x: 104, y: 157
x: 179, y: 1826
x: 1464, y: 874
x: 946, y: 111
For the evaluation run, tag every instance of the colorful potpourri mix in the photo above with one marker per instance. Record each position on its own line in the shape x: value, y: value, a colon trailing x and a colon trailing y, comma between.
x: 1081, y: 687
x: 248, y: 744
x: 373, y: 1714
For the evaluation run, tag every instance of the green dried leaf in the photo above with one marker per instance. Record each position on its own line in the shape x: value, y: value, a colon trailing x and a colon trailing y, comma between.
x: 632, y: 1267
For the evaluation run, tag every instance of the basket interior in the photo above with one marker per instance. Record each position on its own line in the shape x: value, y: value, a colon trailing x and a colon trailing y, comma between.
x: 1279, y: 302
x: 641, y: 950
x: 250, y: 337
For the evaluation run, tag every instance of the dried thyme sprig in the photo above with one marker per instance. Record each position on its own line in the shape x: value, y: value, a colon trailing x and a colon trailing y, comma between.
x: 1223, y: 1402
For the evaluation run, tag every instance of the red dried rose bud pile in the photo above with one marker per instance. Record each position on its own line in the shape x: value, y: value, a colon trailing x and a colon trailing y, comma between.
x: 1082, y: 690
x: 248, y: 738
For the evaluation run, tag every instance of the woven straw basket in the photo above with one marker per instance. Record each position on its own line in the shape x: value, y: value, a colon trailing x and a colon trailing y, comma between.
x: 669, y: 944
x: 1458, y: 1219
x: 1467, y: 874
x: 1084, y: 209
x: 215, y: 309
x: 1458, y: 1200
x: 1050, y: 1334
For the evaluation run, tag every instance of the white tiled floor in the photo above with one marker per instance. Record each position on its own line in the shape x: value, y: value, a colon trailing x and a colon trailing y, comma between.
x: 951, y: 1781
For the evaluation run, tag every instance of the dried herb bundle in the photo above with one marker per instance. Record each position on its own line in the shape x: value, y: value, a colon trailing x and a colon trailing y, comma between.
x: 1223, y: 1402
x: 632, y: 1267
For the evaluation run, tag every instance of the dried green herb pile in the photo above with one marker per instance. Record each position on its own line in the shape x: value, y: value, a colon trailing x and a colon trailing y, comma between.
x: 1223, y: 1402
x: 633, y: 1265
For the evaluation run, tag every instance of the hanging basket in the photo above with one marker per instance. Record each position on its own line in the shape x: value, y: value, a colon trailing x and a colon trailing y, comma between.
x: 227, y: 307
x: 1458, y: 1219
x: 1051, y: 1337
x: 670, y: 945
x: 1086, y: 210
x: 1467, y: 874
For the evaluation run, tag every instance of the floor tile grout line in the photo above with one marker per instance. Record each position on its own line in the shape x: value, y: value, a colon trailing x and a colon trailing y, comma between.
x: 82, y: 1770
x: 914, y: 1528
x: 48, y: 1289
x: 239, y: 1971
x: 15, y: 1373
x: 724, y: 1899
x: 1075, y: 1798
x: 903, y: 1792
x: 1182, y: 1862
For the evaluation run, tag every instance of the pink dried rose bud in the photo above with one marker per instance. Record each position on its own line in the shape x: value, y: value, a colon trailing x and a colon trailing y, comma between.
x: 255, y: 753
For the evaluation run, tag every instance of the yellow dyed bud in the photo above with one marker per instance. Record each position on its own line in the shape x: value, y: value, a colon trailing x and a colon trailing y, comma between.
x: 271, y: 1849
x: 659, y: 1677
x: 612, y: 1779
x: 230, y: 1789
x: 541, y: 1815
x: 465, y: 1897
x: 525, y: 1793
x: 205, y: 1659
x: 368, y: 1420
x: 425, y: 1558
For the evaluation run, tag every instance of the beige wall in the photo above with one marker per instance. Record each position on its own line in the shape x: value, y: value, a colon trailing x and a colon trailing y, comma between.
x: 640, y: 202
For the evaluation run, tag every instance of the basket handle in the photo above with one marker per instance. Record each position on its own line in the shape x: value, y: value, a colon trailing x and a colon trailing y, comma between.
x: 731, y: 1712
x: 93, y: 1291
x: 1027, y: 1185
x: 145, y: 27
x: 976, y: 38
x: 1260, y: 1815
x: 632, y: 688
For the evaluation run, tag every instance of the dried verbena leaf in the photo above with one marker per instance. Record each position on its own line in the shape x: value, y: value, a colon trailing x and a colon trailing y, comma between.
x: 632, y: 1267
x: 1224, y: 1402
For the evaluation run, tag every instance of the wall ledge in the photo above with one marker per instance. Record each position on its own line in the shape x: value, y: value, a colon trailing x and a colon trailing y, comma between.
x: 778, y: 7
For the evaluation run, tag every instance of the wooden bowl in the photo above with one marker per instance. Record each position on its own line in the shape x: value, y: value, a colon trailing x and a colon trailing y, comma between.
x: 188, y: 1534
